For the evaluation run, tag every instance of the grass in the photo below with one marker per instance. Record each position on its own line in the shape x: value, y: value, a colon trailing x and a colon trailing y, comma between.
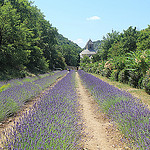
x: 4, y: 87
x: 15, y: 82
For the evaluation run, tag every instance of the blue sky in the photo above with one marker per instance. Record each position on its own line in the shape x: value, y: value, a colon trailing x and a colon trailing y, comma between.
x: 81, y: 20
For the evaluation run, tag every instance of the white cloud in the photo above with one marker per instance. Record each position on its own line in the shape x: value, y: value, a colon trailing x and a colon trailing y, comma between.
x: 93, y: 18
x: 80, y: 42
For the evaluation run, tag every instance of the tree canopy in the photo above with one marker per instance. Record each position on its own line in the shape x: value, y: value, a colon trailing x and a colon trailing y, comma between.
x: 124, y: 57
x: 117, y: 44
x: 28, y: 42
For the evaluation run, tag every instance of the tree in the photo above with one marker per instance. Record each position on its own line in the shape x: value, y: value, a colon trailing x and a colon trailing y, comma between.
x: 13, y: 33
x: 28, y: 42
x: 71, y: 54
x: 125, y: 43
x: 129, y: 39
x: 107, y: 44
x: 143, y: 41
x: 85, y: 60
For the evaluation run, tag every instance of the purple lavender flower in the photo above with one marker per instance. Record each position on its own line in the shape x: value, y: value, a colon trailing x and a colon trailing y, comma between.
x: 15, y: 96
x: 52, y: 123
x: 132, y: 116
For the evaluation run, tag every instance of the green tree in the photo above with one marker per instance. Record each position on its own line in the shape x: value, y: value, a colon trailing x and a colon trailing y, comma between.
x: 85, y: 60
x: 143, y: 41
x: 13, y: 33
x: 129, y: 39
x: 69, y: 52
x: 107, y: 44
x: 125, y: 43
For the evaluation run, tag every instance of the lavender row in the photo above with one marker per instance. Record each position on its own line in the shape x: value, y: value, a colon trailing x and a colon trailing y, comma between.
x: 52, y: 123
x: 132, y: 116
x: 14, y: 82
x: 14, y: 97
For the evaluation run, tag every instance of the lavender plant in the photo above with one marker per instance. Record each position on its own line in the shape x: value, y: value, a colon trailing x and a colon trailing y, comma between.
x: 14, y: 82
x: 14, y: 97
x: 52, y: 123
x: 132, y: 116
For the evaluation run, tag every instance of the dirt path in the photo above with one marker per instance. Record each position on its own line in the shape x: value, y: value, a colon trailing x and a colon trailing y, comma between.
x: 9, y: 122
x: 100, y: 133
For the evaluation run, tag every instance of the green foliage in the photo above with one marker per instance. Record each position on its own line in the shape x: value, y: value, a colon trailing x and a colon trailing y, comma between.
x: 114, y: 75
x: 134, y: 77
x: 69, y: 50
x: 138, y: 61
x: 125, y: 43
x: 106, y: 44
x: 4, y: 87
x: 143, y: 41
x: 96, y: 57
x: 28, y: 42
x: 13, y: 45
x: 146, y: 82
x: 123, y: 76
x: 125, y: 57
x: 85, y: 59
x: 106, y: 72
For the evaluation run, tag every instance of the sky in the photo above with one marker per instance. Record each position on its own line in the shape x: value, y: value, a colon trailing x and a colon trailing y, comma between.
x: 81, y: 20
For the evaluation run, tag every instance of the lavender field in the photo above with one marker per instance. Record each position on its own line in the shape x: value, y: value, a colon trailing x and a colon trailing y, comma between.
x: 132, y: 117
x: 18, y: 91
x: 52, y: 123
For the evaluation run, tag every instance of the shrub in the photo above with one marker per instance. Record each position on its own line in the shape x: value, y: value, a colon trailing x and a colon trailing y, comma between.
x: 106, y: 72
x: 140, y: 84
x: 100, y: 68
x: 146, y: 82
x: 134, y: 77
x: 114, y: 75
x: 123, y: 76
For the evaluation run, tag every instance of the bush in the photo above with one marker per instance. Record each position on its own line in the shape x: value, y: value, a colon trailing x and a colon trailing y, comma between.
x: 106, y: 72
x: 10, y: 73
x: 123, y: 76
x: 134, y: 78
x: 140, y: 84
x: 146, y: 82
x: 114, y: 75
x: 100, y: 68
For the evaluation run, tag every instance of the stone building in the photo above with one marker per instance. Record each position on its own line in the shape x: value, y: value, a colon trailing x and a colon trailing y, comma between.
x: 89, y: 50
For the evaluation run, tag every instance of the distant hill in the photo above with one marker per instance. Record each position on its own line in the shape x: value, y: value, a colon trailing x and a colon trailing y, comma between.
x: 69, y: 50
x: 65, y: 41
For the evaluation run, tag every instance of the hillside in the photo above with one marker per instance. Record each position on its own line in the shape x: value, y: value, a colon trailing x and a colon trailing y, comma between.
x: 69, y: 50
x: 63, y: 40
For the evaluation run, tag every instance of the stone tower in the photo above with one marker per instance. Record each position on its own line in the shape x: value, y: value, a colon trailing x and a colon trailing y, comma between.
x: 89, y: 50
